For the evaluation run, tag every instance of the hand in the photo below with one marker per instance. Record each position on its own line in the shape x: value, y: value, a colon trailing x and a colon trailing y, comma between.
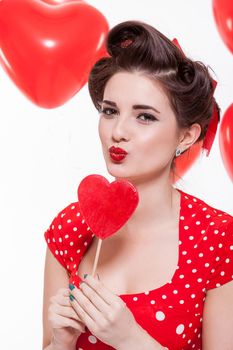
x: 104, y: 313
x: 65, y: 323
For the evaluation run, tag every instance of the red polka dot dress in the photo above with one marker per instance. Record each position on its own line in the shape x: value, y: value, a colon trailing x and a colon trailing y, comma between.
x: 172, y: 313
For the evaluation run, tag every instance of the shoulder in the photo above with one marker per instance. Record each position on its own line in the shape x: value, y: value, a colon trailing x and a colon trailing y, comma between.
x: 69, y: 221
x: 211, y: 237
x: 68, y: 235
x: 210, y: 215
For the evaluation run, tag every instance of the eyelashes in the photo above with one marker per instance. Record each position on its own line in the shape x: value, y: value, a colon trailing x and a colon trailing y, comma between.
x: 104, y: 111
x: 147, y: 117
x: 144, y: 117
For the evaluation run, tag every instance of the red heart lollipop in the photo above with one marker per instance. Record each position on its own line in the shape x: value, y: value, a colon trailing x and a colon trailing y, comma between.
x: 106, y: 206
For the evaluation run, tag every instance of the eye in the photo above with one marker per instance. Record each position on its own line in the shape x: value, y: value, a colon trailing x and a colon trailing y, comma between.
x: 146, y: 118
x: 108, y: 111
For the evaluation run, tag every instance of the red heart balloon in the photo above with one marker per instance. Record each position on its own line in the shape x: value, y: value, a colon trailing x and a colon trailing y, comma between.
x: 186, y: 160
x: 106, y: 206
x: 226, y: 140
x: 223, y: 14
x: 48, y: 50
x: 58, y: 2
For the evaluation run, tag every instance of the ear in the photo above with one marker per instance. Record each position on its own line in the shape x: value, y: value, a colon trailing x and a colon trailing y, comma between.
x: 189, y: 136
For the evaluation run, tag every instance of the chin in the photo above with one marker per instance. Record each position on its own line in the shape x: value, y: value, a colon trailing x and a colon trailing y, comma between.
x: 118, y: 171
x: 122, y: 174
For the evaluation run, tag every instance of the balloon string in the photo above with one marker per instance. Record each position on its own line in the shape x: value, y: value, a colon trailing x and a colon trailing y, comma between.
x: 96, y: 256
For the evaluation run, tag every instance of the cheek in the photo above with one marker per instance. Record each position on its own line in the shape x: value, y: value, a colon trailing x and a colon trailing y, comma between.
x: 102, y: 131
x: 160, y: 144
x: 149, y: 142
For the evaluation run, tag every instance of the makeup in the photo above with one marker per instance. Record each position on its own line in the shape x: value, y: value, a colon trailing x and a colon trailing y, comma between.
x: 117, y: 154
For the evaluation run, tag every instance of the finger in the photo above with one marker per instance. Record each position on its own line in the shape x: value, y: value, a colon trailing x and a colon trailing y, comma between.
x: 60, y: 304
x: 61, y: 322
x: 83, y: 313
x: 60, y: 299
x: 108, y: 296
x: 95, y: 298
x: 66, y: 312
x: 84, y: 303
x: 63, y: 292
x: 63, y: 301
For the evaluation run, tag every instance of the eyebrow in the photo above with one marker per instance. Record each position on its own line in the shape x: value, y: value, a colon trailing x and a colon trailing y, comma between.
x: 113, y: 104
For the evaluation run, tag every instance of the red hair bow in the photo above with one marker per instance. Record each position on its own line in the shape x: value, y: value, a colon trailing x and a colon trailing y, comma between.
x: 213, y: 124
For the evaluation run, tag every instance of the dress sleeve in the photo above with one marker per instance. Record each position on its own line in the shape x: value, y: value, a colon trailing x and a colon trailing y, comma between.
x: 222, y: 269
x: 68, y: 236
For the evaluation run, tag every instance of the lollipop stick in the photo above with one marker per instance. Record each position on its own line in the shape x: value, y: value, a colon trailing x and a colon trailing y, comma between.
x: 97, y: 256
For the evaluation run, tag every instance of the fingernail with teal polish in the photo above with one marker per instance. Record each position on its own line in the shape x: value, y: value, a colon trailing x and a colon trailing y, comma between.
x: 71, y: 297
x: 85, y: 275
x: 71, y: 286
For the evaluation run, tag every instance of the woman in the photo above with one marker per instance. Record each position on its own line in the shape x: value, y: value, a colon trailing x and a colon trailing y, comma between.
x: 165, y: 278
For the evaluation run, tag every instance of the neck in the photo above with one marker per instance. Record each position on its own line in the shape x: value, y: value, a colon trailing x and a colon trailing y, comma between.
x: 159, y: 206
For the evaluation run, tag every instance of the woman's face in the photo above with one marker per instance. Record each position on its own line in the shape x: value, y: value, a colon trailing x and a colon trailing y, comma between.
x: 136, y: 118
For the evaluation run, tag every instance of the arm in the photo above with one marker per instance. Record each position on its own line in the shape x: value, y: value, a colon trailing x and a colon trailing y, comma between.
x: 55, y: 279
x: 218, y: 318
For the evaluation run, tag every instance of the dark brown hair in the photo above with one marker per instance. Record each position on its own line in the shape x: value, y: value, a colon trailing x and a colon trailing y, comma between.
x: 137, y: 46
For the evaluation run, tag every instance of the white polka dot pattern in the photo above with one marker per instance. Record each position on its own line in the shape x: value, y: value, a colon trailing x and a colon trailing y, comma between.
x: 172, y: 314
x: 160, y: 316
x: 68, y: 232
x: 92, y: 339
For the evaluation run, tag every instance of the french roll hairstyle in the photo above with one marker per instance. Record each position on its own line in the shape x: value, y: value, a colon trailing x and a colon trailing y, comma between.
x: 137, y: 46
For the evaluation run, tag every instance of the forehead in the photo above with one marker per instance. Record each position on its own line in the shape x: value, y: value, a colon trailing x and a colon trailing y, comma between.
x: 134, y: 87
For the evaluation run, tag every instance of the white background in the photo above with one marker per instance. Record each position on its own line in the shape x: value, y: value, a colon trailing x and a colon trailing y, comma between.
x: 45, y: 153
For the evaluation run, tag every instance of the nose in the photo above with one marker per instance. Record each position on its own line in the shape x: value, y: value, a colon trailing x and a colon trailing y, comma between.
x: 120, y: 131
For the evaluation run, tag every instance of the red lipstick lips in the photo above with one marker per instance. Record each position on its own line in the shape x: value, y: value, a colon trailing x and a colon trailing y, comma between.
x: 117, y: 153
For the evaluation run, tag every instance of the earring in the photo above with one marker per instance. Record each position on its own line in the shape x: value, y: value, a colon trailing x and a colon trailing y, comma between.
x: 178, y: 152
